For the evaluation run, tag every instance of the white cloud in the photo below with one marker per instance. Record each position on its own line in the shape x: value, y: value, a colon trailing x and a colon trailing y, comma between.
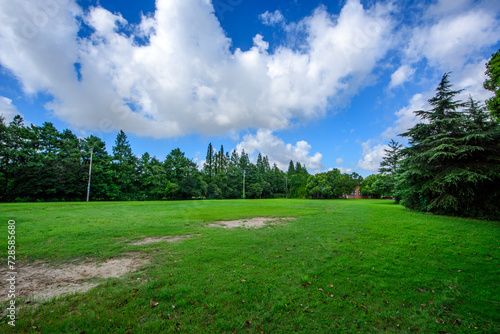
x: 272, y: 19
x: 445, y: 7
x: 403, y: 74
x: 186, y: 79
x: 7, y: 109
x: 448, y: 42
x: 344, y: 170
x: 339, y: 161
x: 471, y: 78
x: 372, y: 156
x: 406, y: 117
x: 277, y: 151
x: 104, y: 22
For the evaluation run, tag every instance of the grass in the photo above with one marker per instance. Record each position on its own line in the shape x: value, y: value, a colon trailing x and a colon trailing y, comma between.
x: 358, y: 266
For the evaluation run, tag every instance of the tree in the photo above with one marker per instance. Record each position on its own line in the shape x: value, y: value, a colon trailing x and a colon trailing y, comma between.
x: 493, y: 84
x: 298, y: 179
x: 185, y: 181
x: 208, y: 166
x: 124, y: 167
x: 367, y: 185
x: 332, y: 184
x: 389, y: 167
x: 453, y: 163
x: 390, y: 161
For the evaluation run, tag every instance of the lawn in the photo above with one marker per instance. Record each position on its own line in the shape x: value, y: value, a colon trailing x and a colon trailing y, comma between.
x: 346, y: 266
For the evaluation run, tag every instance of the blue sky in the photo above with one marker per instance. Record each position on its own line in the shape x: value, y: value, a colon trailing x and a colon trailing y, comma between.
x: 326, y: 83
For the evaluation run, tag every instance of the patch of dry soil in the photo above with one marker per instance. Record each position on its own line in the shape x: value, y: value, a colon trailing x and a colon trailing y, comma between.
x: 252, y: 222
x: 40, y: 280
x: 167, y: 238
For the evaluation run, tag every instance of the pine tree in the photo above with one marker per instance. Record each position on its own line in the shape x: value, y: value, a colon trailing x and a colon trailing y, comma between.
x: 208, y: 165
x: 390, y: 161
x: 124, y: 166
x: 452, y: 160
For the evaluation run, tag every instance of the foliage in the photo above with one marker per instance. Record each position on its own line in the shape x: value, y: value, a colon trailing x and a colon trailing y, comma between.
x: 452, y: 165
x: 297, y: 180
x: 376, y: 185
x: 492, y: 84
x: 43, y: 164
x: 332, y: 184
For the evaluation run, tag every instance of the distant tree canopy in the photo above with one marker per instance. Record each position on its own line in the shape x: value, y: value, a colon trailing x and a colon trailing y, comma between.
x: 332, y: 184
x: 40, y: 163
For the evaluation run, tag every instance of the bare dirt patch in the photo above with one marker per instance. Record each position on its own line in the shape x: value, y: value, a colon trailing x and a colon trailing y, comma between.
x: 40, y: 280
x: 150, y: 240
x: 256, y: 222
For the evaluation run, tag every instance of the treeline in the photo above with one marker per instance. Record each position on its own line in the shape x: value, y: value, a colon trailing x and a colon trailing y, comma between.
x: 40, y: 163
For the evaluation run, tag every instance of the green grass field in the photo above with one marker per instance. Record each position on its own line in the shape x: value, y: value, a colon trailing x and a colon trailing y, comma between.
x: 357, y: 266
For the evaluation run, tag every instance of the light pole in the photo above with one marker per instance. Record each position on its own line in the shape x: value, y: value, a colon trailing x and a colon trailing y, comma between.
x: 286, y: 186
x: 90, y: 173
x: 244, y: 184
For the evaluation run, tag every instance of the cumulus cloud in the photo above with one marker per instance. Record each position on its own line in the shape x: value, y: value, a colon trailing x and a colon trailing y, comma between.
x: 448, y: 41
x: 265, y: 142
x: 406, y: 117
x: 372, y: 156
x: 184, y: 78
x: 272, y: 19
x: 339, y: 161
x: 342, y: 170
x: 403, y: 74
x: 7, y: 109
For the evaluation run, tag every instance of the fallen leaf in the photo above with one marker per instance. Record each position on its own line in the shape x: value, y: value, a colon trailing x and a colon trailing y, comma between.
x: 154, y: 303
x: 320, y: 289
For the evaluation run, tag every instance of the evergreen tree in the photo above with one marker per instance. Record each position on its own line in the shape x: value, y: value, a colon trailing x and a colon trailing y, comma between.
x: 388, y: 167
x: 453, y: 163
x: 208, y: 166
x: 390, y: 161
x: 124, y: 165
x: 184, y: 179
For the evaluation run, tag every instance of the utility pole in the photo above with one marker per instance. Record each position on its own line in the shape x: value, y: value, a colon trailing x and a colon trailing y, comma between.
x: 286, y: 186
x: 90, y: 173
x: 243, y: 184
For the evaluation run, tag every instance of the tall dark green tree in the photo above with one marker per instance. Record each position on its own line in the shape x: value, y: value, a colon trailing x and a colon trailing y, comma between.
x: 124, y: 165
x: 184, y: 180
x: 208, y: 166
x: 452, y: 165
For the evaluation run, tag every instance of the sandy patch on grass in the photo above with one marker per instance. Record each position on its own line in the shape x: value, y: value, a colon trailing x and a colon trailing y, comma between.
x: 256, y: 222
x: 40, y: 280
x: 150, y: 240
